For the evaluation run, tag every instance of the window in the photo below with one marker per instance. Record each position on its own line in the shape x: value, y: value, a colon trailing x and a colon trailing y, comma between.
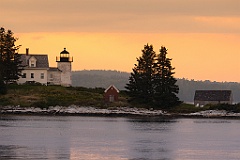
x: 32, y: 64
x: 32, y: 75
x: 42, y: 75
x: 24, y: 75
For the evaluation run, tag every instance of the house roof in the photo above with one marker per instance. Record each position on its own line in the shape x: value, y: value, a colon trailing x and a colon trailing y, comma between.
x: 110, y: 87
x: 213, y: 95
x: 54, y: 69
x: 42, y: 60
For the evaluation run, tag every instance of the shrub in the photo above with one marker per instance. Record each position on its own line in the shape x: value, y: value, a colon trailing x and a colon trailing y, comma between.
x: 226, y: 107
x: 40, y: 104
x: 3, y: 87
x: 4, y: 101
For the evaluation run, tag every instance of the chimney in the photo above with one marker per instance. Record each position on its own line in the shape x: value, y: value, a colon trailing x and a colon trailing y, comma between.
x: 27, y: 51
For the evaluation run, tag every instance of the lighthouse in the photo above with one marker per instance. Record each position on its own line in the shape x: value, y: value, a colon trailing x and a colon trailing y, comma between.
x: 64, y: 64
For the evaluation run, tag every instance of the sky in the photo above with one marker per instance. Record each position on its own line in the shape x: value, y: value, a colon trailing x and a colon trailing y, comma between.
x: 202, y: 36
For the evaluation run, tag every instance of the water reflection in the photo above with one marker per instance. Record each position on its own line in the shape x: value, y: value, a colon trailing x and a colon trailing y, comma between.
x: 206, y: 139
x: 8, y: 152
x: 33, y: 137
x: 153, y: 141
x: 101, y: 138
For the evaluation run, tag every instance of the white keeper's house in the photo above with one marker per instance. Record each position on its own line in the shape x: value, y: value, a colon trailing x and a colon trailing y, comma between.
x: 36, y: 69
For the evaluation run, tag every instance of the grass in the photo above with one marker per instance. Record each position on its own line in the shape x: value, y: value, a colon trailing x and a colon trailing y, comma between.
x: 228, y: 107
x: 187, y: 108
x: 46, y: 96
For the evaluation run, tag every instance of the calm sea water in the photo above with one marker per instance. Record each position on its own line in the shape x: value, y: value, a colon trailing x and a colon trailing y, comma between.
x: 100, y: 138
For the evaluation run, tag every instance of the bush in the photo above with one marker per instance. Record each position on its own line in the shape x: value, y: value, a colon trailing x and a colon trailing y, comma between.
x: 32, y: 83
x: 4, y: 101
x: 227, y: 107
x: 187, y: 108
x: 40, y: 104
x: 3, y: 87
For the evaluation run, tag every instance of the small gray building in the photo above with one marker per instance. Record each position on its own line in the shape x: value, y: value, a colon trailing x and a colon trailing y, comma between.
x: 203, y: 97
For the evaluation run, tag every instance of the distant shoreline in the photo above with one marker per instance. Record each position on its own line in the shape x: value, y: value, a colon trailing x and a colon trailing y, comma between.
x: 175, y: 116
x: 113, y: 112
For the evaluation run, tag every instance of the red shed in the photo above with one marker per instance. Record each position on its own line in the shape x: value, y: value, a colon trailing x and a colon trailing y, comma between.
x: 111, y: 94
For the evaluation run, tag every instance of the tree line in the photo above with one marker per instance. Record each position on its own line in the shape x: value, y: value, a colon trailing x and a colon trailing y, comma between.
x: 10, y: 64
x: 187, y: 87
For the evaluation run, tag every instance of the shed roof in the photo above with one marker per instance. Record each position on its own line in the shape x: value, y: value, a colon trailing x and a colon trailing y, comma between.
x: 213, y: 95
x: 42, y: 60
x: 110, y: 87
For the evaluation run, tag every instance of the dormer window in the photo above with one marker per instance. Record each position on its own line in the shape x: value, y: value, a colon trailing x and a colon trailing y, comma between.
x: 32, y: 62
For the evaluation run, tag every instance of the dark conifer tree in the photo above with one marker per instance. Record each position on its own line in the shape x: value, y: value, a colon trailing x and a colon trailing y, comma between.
x: 165, y: 88
x: 140, y: 82
x: 10, y: 64
x: 152, y: 81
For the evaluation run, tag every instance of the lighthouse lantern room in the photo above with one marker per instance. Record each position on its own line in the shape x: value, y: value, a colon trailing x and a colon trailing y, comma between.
x: 65, y: 66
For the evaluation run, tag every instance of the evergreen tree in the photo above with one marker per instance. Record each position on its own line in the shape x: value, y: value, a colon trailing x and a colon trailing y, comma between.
x: 140, y: 81
x: 152, y: 81
x: 165, y: 88
x: 10, y: 64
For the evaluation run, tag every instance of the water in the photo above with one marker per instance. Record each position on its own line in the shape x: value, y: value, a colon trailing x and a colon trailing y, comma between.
x: 100, y: 138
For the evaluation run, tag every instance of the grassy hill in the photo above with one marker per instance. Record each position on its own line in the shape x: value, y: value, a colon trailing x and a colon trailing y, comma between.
x: 85, y: 93
x: 44, y: 96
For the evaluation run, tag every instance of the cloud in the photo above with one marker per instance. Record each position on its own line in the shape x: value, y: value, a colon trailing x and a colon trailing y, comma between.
x: 120, y: 15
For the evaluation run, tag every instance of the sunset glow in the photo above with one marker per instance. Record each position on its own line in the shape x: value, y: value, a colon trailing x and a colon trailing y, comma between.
x: 202, y: 37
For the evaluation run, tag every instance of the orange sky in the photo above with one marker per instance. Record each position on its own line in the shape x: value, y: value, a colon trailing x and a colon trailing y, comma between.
x: 202, y: 36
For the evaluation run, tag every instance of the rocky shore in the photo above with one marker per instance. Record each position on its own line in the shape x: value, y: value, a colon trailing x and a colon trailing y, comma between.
x: 115, y: 111
x: 76, y: 110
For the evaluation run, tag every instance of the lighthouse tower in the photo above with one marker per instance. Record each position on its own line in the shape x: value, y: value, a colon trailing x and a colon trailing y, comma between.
x: 64, y: 64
